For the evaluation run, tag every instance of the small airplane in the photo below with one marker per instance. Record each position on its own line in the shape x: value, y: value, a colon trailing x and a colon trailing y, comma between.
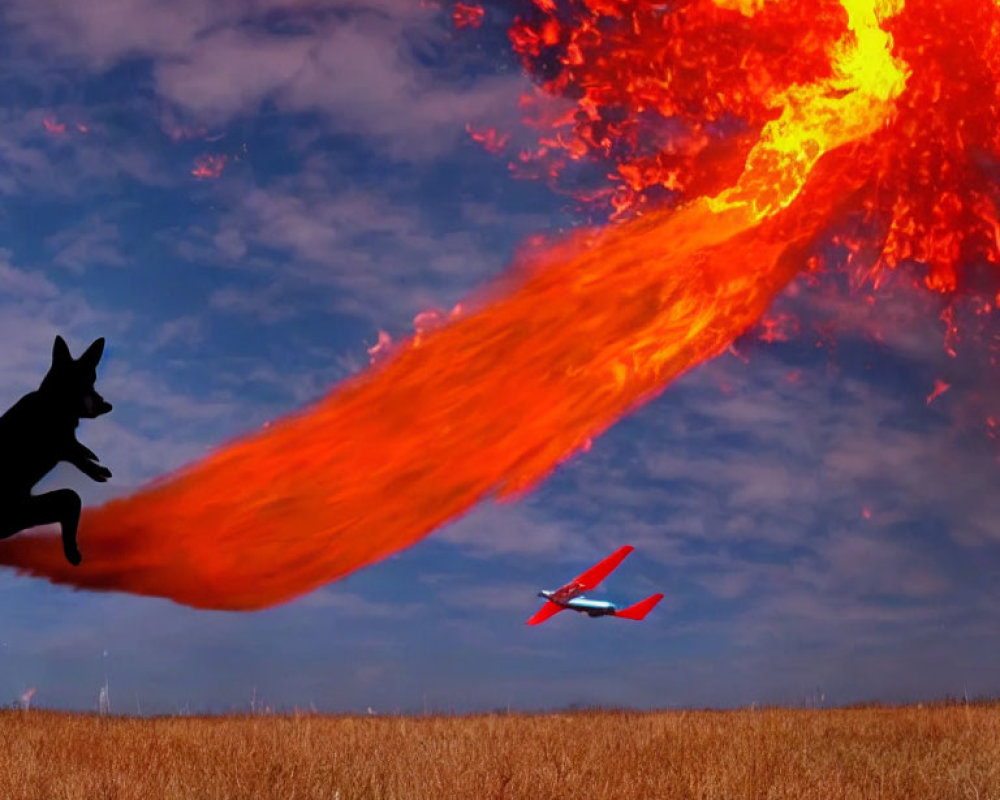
x: 571, y: 595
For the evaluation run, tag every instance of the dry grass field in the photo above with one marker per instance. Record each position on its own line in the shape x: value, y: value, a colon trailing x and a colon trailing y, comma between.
x: 905, y: 753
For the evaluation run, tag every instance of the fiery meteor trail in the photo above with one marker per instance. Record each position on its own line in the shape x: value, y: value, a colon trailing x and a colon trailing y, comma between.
x: 571, y: 339
x: 487, y: 405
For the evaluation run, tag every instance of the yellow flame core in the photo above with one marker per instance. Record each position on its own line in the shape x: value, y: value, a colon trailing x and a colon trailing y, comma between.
x: 816, y: 118
x: 746, y: 7
x: 819, y: 117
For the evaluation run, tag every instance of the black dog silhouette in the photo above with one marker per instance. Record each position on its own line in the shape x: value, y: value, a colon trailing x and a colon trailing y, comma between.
x: 38, y: 432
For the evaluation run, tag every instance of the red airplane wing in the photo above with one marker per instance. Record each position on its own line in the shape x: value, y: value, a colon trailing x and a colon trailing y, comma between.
x: 550, y: 609
x: 597, y: 573
x: 640, y: 609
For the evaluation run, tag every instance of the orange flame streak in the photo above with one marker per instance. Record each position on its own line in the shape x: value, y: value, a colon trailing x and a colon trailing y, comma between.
x: 486, y: 404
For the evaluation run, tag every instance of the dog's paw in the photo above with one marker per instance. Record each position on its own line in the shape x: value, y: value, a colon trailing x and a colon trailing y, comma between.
x: 73, y: 556
x: 99, y: 473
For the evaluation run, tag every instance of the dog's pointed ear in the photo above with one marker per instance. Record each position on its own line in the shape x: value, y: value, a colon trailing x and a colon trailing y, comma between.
x: 60, y: 353
x: 93, y: 353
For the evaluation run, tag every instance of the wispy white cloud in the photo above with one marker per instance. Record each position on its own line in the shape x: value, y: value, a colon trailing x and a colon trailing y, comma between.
x: 353, y: 606
x: 27, y: 285
x: 266, y: 305
x: 187, y: 330
x: 494, y: 530
x: 361, y: 64
x: 73, y: 164
x: 93, y: 242
x: 369, y: 250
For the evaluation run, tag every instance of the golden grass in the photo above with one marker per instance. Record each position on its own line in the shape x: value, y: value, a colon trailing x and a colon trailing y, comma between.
x: 935, y: 752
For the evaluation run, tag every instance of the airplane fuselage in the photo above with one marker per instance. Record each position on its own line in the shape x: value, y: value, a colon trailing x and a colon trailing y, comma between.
x: 577, y: 602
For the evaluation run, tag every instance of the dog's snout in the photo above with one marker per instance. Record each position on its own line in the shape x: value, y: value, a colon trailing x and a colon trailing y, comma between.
x: 94, y: 405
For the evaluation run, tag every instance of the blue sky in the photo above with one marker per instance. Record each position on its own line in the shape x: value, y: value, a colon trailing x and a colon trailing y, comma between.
x: 815, y: 524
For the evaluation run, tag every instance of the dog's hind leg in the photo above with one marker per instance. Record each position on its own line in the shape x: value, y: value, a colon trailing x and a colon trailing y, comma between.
x: 62, y: 506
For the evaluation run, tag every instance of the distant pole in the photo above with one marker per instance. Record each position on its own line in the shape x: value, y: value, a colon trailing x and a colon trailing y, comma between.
x: 104, y: 697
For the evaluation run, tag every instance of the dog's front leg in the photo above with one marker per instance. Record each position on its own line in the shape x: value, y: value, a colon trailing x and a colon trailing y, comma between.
x: 85, y: 460
x: 61, y: 505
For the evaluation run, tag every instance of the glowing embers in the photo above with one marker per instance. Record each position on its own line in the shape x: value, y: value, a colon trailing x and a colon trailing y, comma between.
x: 673, y: 99
x: 934, y: 184
x: 466, y: 15
x: 209, y: 166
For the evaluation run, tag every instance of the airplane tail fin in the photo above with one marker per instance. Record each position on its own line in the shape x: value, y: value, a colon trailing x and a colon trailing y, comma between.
x: 640, y: 609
